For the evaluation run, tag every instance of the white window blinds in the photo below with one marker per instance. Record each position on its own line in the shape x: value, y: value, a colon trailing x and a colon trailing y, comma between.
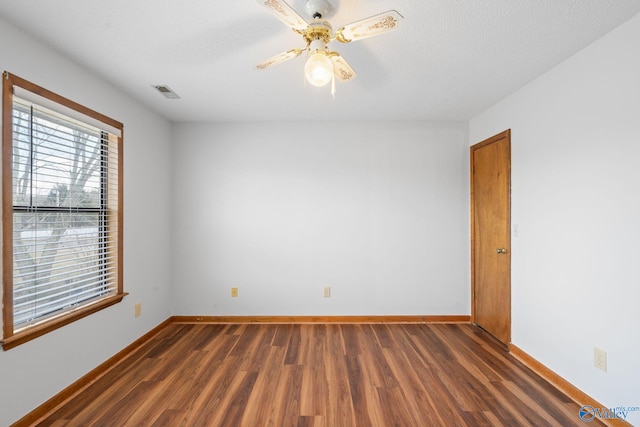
x: 65, y: 231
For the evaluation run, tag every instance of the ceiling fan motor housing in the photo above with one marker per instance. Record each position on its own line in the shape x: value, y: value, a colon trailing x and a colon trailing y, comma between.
x: 319, y: 31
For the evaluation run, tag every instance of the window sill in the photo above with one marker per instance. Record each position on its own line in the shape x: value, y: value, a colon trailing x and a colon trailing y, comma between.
x: 40, y: 329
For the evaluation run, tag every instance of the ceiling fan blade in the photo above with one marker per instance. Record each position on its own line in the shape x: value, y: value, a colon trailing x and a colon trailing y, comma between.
x: 341, y: 68
x: 280, y: 58
x: 369, y: 27
x: 286, y: 14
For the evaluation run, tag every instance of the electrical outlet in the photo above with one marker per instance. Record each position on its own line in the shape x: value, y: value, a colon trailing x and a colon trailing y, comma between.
x: 327, y: 291
x: 600, y: 359
x: 234, y: 292
x: 138, y: 309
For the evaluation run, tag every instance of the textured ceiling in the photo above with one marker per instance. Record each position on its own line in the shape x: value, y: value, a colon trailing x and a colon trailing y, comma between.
x: 448, y: 60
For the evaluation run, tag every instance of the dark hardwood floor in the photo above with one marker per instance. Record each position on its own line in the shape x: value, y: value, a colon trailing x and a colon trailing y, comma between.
x: 319, y: 375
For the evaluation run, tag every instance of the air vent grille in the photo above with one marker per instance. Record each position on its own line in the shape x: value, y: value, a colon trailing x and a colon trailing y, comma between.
x: 167, y: 92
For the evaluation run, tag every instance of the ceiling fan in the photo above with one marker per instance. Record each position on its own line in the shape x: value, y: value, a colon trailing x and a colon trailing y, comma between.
x: 324, y: 65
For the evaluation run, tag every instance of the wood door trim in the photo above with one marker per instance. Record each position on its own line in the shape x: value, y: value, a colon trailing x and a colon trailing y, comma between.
x: 472, y: 149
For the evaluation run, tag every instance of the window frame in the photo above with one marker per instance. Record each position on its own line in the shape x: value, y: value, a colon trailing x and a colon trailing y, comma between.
x: 11, y: 337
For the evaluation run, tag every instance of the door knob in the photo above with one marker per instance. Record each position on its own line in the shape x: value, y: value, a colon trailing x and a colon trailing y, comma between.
x: 501, y: 251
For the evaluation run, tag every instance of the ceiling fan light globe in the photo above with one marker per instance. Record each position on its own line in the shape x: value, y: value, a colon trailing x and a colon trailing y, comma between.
x: 318, y: 69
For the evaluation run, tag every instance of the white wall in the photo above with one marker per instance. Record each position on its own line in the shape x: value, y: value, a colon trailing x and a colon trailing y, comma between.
x: 33, y: 372
x: 576, y: 202
x: 376, y: 211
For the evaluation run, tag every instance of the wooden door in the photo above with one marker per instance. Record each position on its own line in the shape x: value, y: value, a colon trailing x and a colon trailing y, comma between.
x: 490, y: 235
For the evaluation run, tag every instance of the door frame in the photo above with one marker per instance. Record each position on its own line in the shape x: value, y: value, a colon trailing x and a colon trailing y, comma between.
x: 497, y: 137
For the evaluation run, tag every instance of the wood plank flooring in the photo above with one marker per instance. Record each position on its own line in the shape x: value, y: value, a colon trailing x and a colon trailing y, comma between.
x: 319, y: 375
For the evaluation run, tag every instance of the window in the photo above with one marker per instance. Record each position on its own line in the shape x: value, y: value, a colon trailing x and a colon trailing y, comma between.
x: 61, y: 211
